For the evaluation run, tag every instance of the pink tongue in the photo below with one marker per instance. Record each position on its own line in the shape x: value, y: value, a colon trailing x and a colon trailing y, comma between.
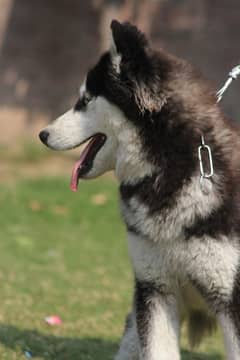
x: 75, y: 178
x: 78, y: 165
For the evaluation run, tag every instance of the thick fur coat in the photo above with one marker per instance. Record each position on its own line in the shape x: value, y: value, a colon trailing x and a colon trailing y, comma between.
x: 183, y: 235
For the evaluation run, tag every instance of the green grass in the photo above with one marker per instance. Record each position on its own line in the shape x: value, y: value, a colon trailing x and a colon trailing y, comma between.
x: 63, y: 253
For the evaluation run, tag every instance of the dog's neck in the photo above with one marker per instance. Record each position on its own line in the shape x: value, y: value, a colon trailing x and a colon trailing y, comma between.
x: 131, y: 164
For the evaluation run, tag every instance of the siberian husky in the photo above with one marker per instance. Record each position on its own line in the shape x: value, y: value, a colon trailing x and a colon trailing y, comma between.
x: 153, y: 119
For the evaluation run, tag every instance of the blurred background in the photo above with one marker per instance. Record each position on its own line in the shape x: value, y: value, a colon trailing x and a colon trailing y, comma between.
x: 64, y: 253
x: 47, y: 46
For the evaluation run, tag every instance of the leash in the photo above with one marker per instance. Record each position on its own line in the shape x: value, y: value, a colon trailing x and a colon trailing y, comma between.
x: 233, y: 75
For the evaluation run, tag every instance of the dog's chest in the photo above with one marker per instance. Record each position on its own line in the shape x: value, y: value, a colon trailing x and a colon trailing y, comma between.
x: 158, y: 227
x: 153, y: 240
x: 160, y: 251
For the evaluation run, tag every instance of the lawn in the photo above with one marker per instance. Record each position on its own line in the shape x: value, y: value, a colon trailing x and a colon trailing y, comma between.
x: 63, y: 253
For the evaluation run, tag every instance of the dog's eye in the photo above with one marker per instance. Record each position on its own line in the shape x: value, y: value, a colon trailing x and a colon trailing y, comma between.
x: 83, y: 102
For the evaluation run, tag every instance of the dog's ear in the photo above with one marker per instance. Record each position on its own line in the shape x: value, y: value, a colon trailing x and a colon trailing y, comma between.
x: 128, y: 43
x: 129, y: 48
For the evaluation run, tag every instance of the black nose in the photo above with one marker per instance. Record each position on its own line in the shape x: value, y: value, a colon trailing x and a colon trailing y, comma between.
x: 44, y: 136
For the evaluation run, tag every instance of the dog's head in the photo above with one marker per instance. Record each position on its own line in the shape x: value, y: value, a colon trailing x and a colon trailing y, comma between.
x: 120, y: 99
x: 114, y: 90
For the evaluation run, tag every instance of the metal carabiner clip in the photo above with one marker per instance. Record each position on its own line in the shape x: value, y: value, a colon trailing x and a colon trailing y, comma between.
x: 201, y: 148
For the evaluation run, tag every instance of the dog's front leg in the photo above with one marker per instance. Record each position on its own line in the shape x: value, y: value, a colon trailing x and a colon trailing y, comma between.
x: 155, y: 307
x: 157, y: 322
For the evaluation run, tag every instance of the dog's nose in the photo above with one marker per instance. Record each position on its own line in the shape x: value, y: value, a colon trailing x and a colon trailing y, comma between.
x: 44, y: 136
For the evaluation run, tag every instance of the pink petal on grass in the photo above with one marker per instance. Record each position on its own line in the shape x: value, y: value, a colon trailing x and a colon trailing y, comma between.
x: 53, y: 320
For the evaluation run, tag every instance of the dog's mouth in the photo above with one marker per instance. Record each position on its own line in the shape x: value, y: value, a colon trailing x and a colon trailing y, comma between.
x: 85, y: 162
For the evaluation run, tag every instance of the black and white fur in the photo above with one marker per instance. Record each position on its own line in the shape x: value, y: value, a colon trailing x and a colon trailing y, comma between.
x: 183, y: 238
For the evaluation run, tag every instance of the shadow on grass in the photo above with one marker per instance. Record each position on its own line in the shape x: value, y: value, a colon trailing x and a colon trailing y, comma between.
x: 51, y: 347
x: 189, y: 355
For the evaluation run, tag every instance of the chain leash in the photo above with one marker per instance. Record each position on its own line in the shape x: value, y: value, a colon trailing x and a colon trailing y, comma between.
x: 233, y: 75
